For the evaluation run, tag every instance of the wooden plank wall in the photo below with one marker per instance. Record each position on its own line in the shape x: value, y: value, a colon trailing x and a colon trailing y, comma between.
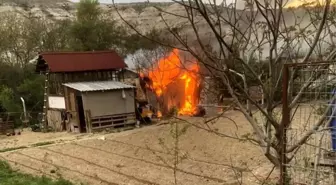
x: 57, y: 79
x: 71, y: 107
x: 111, y: 121
x: 55, y: 120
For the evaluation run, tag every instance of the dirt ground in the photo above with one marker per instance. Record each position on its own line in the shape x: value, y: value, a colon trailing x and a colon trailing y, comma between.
x: 146, y: 156
x: 28, y: 138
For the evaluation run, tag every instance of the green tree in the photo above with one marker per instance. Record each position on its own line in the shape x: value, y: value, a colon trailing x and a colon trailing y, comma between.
x: 8, y: 100
x: 32, y: 91
x: 56, y: 36
x: 91, y: 31
x: 88, y: 10
x: 10, y: 75
x: 23, y: 37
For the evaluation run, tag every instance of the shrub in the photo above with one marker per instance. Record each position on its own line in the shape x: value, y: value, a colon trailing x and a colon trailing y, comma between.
x: 8, y: 176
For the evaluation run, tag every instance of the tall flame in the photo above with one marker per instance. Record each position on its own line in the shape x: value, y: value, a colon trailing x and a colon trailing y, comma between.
x: 169, y: 69
x: 190, y: 80
x: 166, y: 71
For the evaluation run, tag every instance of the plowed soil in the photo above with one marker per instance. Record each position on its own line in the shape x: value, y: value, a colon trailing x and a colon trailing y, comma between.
x: 147, y: 156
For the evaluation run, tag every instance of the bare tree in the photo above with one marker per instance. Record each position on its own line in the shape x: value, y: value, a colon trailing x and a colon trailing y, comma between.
x: 224, y: 36
x: 22, y: 37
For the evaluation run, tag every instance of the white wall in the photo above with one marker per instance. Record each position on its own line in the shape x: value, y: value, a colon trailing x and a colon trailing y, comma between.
x: 109, y: 102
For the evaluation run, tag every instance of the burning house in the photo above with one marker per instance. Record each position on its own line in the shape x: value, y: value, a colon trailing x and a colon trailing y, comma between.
x: 74, y: 80
x: 180, y: 82
x: 175, y: 82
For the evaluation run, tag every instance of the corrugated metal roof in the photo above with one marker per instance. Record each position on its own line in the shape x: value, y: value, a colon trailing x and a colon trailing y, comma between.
x: 82, y: 61
x: 98, y: 86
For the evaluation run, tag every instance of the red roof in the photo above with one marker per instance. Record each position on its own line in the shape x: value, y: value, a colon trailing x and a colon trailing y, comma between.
x: 82, y: 61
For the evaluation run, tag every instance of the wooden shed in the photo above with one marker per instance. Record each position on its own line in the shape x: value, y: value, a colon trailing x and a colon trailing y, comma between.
x: 99, y: 105
x: 71, y: 67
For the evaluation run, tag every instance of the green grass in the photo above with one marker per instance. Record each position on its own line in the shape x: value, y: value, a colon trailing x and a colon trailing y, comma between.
x: 11, y: 149
x: 10, y: 177
x: 22, y: 147
x: 43, y: 143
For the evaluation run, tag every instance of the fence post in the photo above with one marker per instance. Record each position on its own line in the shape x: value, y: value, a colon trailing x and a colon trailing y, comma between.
x: 88, y: 121
x: 284, y: 124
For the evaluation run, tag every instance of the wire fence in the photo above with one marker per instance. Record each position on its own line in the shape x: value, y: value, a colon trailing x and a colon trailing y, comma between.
x: 21, y: 119
x: 312, y: 125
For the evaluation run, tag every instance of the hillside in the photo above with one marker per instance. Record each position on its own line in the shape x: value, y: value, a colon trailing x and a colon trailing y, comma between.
x: 142, y: 14
x: 51, y: 9
x: 146, y: 16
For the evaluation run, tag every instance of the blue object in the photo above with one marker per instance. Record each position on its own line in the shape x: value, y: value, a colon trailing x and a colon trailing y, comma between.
x: 332, y: 123
x: 333, y: 133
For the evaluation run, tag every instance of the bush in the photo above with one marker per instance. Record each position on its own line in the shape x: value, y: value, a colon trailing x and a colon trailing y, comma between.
x: 10, y: 177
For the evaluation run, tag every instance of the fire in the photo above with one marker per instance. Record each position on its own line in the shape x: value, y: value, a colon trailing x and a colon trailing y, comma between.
x: 191, y: 83
x: 141, y: 74
x: 311, y: 3
x: 159, y: 114
x: 166, y: 71
x: 170, y: 69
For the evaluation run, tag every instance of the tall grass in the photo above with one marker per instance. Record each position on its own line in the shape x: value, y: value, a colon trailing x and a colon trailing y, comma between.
x: 8, y: 176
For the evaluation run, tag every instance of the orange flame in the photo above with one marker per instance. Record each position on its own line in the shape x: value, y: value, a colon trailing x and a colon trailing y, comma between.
x: 191, y: 83
x: 170, y: 68
x: 141, y: 74
x: 159, y: 114
x: 166, y: 71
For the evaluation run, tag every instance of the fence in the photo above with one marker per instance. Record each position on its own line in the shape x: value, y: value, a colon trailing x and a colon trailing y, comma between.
x: 309, y: 150
x: 6, y: 124
x: 11, y: 120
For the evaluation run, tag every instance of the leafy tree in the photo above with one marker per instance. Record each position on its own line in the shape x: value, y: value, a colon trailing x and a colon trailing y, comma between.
x: 56, y: 36
x: 32, y: 91
x: 91, y: 31
x: 10, y: 75
x: 88, y: 10
x: 23, y: 37
x: 7, y: 99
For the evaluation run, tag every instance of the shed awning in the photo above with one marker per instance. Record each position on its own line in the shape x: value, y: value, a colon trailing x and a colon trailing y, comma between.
x: 98, y: 86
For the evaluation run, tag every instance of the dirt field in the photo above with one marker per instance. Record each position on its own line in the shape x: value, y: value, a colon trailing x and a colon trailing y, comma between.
x: 145, y: 156
x: 30, y: 138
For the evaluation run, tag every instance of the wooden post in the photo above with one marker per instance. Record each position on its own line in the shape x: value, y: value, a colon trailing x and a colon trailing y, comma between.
x: 7, y: 118
x: 8, y: 125
x: 46, y: 103
x: 334, y: 169
x: 88, y: 121
x: 283, y: 127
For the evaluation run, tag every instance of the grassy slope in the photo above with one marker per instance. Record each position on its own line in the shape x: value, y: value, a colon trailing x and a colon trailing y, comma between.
x: 11, y: 177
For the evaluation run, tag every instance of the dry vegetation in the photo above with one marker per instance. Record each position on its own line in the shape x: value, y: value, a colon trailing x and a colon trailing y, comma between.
x: 144, y: 156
